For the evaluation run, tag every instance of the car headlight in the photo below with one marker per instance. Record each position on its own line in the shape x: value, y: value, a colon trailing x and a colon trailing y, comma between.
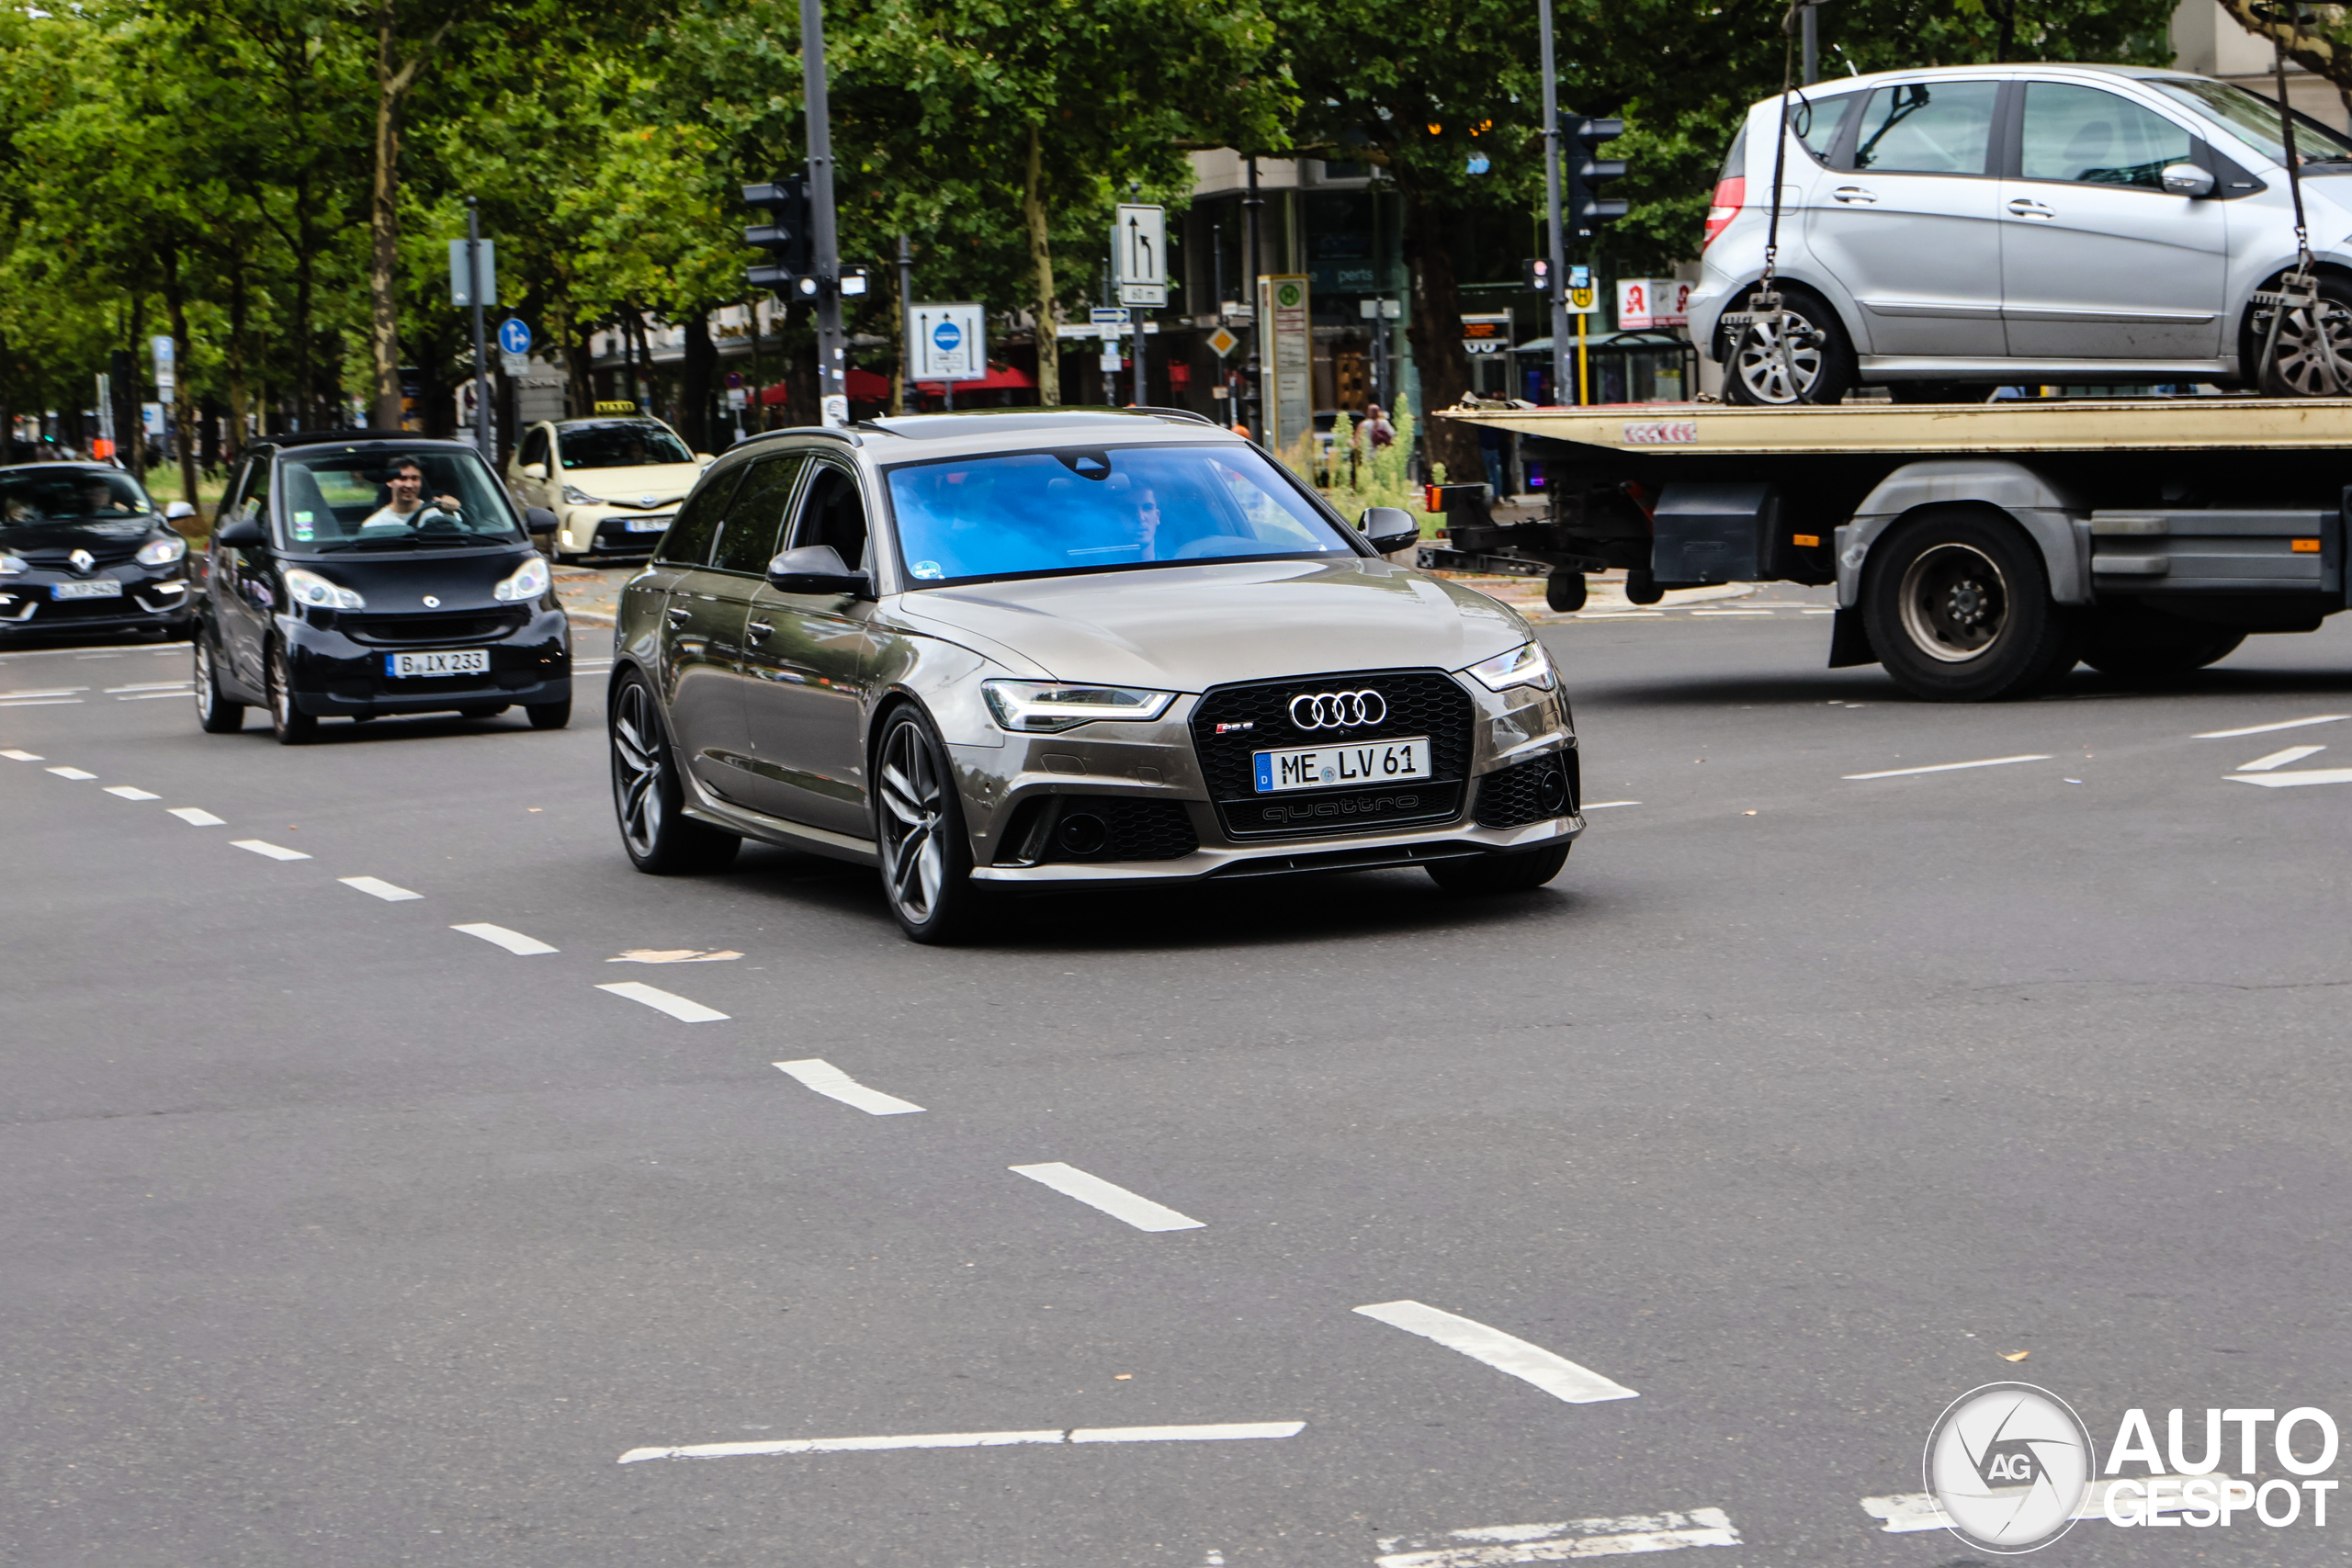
x: 528, y: 582
x: 1526, y: 665
x: 1045, y: 707
x: 573, y: 495
x: 163, y: 551
x: 11, y: 565
x: 310, y: 588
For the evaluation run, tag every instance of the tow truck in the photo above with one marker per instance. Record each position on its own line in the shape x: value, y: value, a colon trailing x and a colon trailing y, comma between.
x: 1979, y: 550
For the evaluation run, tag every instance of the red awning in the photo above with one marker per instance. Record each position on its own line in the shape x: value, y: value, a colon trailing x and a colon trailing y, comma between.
x: 866, y: 387
x: 999, y: 378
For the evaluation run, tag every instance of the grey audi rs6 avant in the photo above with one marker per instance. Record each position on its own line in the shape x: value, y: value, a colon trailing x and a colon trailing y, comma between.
x: 1000, y: 652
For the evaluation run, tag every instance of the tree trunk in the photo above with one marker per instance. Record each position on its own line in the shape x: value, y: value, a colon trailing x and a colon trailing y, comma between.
x: 384, y: 231
x: 183, y: 414
x: 1041, y: 258
x: 237, y: 353
x: 580, y: 365
x: 1436, y: 333
x: 698, y: 379
x: 898, y: 366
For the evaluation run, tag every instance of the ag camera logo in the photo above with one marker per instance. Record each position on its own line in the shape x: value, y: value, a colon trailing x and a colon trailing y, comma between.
x: 2011, y: 1464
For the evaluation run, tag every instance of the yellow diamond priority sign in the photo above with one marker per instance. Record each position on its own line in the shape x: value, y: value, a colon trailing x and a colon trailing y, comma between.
x: 1223, y: 342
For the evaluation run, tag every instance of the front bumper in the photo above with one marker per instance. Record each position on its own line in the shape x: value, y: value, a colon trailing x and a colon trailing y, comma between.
x: 1155, y: 807
x: 338, y: 662
x: 150, y: 599
x: 605, y: 530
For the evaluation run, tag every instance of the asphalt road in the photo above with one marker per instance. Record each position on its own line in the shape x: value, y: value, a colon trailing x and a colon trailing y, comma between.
x: 1797, y: 1104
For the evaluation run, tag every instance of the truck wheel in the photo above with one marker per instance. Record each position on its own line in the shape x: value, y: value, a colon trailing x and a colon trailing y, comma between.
x: 2132, y: 642
x: 1563, y: 590
x: 1641, y: 587
x: 1808, y: 360
x: 1958, y: 609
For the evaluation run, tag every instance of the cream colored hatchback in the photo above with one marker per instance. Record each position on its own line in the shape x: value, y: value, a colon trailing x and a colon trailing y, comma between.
x: 613, y: 483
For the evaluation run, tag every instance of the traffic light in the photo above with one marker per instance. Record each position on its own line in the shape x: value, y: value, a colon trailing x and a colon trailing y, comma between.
x: 1587, y: 209
x: 1539, y: 276
x: 784, y: 237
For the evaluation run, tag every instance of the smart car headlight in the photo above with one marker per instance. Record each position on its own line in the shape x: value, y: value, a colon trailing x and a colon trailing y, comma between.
x: 573, y: 495
x: 528, y: 582
x: 309, y: 588
x: 163, y: 551
x: 1526, y: 665
x: 1045, y: 707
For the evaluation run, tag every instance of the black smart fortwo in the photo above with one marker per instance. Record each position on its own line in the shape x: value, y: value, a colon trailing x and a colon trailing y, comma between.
x: 363, y: 573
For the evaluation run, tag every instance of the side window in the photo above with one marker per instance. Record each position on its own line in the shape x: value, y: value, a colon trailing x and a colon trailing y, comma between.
x: 755, y: 517
x: 254, y: 502
x: 1927, y: 128
x: 695, y: 528
x: 2087, y: 137
x: 834, y: 514
x: 534, y: 445
x: 1816, y: 121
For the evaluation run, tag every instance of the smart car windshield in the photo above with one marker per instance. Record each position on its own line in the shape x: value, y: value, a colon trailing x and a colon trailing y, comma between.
x: 1097, y: 509
x: 72, y: 497
x: 629, y: 445
x: 337, y: 499
x: 2255, y: 120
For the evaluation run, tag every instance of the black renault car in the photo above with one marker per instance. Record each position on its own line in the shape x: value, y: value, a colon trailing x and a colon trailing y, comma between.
x: 360, y: 573
x: 83, y: 550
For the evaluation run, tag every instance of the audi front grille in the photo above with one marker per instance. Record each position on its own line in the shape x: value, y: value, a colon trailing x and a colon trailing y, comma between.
x: 1255, y: 716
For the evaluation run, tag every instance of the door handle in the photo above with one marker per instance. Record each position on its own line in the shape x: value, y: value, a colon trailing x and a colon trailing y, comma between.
x: 759, y: 631
x: 679, y: 614
x: 2025, y: 207
x: 1853, y: 194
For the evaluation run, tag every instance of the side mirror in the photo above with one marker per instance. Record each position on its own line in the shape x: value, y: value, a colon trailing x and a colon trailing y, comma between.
x: 178, y: 510
x: 538, y: 521
x: 1389, y: 528
x: 245, y: 533
x: 704, y: 459
x: 2188, y: 180
x: 535, y: 470
x: 815, y: 569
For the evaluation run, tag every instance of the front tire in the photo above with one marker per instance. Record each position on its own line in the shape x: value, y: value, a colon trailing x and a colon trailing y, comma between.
x: 1806, y: 358
x: 548, y: 715
x: 215, y: 713
x: 1511, y: 871
x: 1563, y: 590
x: 919, y: 826
x: 2314, y: 357
x: 661, y: 839
x: 1958, y: 609
x: 288, y: 722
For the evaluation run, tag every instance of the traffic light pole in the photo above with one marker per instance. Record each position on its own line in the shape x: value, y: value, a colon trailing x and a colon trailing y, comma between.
x: 1558, y: 243
x: 833, y: 361
x: 484, y: 440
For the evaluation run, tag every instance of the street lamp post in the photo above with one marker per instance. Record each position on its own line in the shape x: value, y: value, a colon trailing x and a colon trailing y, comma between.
x: 832, y: 367
x: 1558, y: 242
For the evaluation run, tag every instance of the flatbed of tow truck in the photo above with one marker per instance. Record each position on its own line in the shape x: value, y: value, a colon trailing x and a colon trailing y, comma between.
x: 1979, y: 550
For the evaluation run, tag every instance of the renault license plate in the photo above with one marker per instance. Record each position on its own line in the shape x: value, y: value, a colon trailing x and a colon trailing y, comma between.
x: 96, y: 588
x: 1337, y: 767
x: 455, y: 662
x: 648, y: 525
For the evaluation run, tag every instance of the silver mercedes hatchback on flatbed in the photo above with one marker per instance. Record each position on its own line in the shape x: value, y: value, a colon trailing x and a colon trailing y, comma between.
x: 994, y: 652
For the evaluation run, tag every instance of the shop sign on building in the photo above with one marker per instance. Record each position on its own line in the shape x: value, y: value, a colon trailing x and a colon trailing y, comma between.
x: 1648, y: 302
x: 1285, y: 351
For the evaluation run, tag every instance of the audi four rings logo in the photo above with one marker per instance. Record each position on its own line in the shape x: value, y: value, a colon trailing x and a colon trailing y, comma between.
x: 1336, y: 710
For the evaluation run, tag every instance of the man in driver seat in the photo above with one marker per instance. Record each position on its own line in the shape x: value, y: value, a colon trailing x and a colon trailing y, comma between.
x: 407, y: 486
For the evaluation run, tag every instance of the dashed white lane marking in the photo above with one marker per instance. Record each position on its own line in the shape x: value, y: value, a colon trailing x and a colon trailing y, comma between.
x: 16, y: 756
x: 1605, y: 805
x: 151, y: 686
x: 834, y: 1083
x: 37, y: 702
x: 677, y: 1006
x: 150, y: 697
x: 1906, y: 1511
x: 130, y: 792
x: 513, y: 941
x: 263, y: 847
x: 71, y: 774
x: 1817, y: 612
x: 2280, y: 758
x: 1953, y: 767
x: 2299, y: 776
x: 2266, y: 729
x: 196, y: 817
x: 1557, y: 1542
x: 1555, y: 1375
x: 1115, y: 1201
x: 45, y: 692
x: 1697, y: 613
x: 377, y: 887
x: 1618, y: 616
x: 1241, y: 1431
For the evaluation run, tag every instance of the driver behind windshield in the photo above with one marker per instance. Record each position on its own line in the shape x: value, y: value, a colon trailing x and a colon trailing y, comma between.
x: 407, y: 485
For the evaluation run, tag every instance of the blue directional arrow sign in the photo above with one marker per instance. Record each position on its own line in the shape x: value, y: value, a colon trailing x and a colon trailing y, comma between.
x: 515, y: 335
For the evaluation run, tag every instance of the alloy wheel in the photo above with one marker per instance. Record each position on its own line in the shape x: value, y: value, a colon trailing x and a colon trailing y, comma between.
x: 204, y: 693
x: 2315, y: 356
x: 1955, y: 602
x: 914, y: 806
x: 636, y: 768
x: 1779, y: 357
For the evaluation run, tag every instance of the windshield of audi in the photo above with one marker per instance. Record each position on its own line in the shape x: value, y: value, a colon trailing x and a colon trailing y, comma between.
x: 337, y: 499
x: 1101, y: 509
